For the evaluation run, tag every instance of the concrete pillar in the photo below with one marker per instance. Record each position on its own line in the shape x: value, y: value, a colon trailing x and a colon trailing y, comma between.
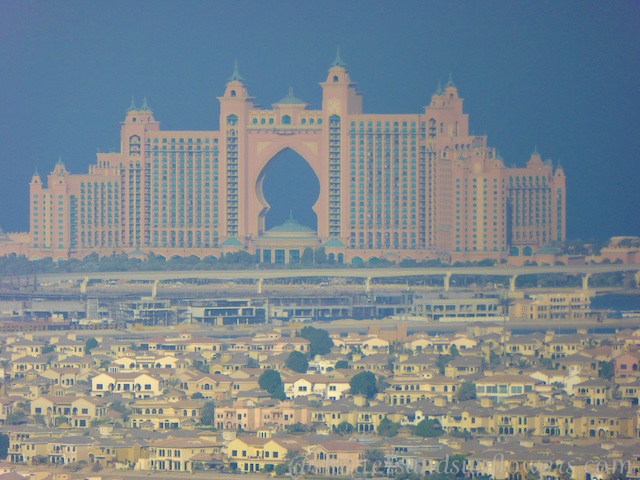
x: 154, y: 290
x: 260, y: 284
x: 367, y: 285
x: 84, y: 285
x: 585, y: 281
x: 512, y: 283
x: 447, y: 279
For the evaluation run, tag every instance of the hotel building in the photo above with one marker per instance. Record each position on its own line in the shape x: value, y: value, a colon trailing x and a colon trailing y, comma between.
x: 392, y: 186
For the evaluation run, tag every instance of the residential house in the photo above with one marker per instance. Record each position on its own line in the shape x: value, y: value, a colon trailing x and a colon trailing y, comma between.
x: 336, y: 457
x: 501, y: 386
x: 365, y: 344
x: 251, y: 416
x: 463, y: 366
x: 406, y: 389
x: 165, y: 415
x: 211, y: 386
x: 255, y: 453
x: 134, y: 384
x: 178, y: 454
x: 304, y: 384
x: 21, y: 347
x: 627, y: 365
x: 594, y: 391
x: 76, y: 412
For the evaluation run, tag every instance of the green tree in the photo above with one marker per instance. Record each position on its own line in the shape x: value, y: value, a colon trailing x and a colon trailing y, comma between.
x: 442, y: 362
x: 466, y: 391
x: 297, y: 362
x: 388, y: 428
x: 122, y: 409
x: 381, y: 383
x: 364, y: 383
x: 90, y: 344
x: 253, y: 363
x: 297, y: 428
x: 282, y: 469
x: 320, y: 256
x: 342, y: 364
x: 39, y: 419
x: 207, y: 414
x: 201, y: 366
x: 4, y: 445
x: 454, y: 466
x: 16, y: 418
x: 59, y: 420
x: 375, y: 460
x: 271, y: 381
x: 606, y: 370
x: 546, y: 363
x: 494, y: 359
x: 563, y: 471
x: 321, y: 342
x: 620, y: 472
x: 533, y: 473
x: 343, y: 427
x: 428, y: 429
x: 307, y: 256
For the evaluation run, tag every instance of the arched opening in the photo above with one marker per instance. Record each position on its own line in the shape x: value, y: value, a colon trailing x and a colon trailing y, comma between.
x: 287, y: 186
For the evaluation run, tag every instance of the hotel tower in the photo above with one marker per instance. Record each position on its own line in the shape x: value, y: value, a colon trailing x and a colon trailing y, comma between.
x: 392, y: 186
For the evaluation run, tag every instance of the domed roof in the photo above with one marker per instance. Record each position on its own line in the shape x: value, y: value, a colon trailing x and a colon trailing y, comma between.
x: 291, y: 99
x: 290, y: 226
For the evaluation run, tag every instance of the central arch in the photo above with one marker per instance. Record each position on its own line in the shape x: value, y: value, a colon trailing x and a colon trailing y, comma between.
x: 265, y: 153
x: 287, y: 183
x: 263, y: 148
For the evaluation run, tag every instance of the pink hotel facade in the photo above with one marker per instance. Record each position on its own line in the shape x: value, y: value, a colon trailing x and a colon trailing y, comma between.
x: 394, y: 185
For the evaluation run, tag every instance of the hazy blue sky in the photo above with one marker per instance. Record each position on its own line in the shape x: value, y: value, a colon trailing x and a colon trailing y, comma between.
x: 562, y: 75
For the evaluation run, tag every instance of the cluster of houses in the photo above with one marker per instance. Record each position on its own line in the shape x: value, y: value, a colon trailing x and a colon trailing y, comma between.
x: 190, y: 401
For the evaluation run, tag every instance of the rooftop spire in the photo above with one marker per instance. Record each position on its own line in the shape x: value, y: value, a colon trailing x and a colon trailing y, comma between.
x: 235, y: 76
x: 36, y: 174
x: 133, y: 105
x: 535, y: 150
x: 144, y: 104
x: 439, y: 89
x: 450, y: 82
x: 338, y: 62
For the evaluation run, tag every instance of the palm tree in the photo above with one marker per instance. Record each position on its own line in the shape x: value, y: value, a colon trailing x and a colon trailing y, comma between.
x: 171, y: 383
x: 375, y: 459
